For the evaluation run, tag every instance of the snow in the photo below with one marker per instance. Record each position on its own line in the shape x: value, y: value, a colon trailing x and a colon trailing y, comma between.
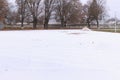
x: 59, y: 55
x: 86, y: 29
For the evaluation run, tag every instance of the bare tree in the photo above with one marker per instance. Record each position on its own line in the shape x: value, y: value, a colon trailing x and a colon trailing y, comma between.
x: 22, y: 10
x: 62, y: 10
x: 3, y: 9
x: 75, y: 12
x: 96, y: 10
x: 49, y: 7
x: 84, y: 13
x: 35, y: 10
x: 11, y: 17
x: 68, y: 11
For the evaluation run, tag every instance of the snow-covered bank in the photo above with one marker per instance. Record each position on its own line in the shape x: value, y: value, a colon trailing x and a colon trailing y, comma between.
x: 59, y: 55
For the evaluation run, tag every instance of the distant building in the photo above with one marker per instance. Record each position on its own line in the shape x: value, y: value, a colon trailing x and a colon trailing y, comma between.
x: 110, y: 23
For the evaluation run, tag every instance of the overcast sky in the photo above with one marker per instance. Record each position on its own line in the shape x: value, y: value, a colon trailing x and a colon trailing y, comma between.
x: 112, y: 6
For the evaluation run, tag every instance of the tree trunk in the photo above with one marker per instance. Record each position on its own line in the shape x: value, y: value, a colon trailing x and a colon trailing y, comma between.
x: 34, y: 22
x: 65, y: 24
x: 46, y: 23
x: 97, y: 23
x: 88, y: 22
x: 22, y: 21
x: 62, y: 23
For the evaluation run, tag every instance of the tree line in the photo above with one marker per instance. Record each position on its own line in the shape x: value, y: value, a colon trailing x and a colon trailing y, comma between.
x: 63, y: 11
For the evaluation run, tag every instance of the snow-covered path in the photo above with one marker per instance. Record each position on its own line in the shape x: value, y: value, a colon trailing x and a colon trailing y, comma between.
x: 59, y: 55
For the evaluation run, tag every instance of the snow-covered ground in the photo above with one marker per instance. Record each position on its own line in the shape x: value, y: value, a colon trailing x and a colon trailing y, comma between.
x: 59, y: 55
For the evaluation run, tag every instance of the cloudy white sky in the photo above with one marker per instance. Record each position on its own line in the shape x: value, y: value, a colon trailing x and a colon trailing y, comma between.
x: 113, y: 6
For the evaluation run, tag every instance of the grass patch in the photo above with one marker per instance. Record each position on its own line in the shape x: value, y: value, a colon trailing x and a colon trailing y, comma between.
x: 107, y: 30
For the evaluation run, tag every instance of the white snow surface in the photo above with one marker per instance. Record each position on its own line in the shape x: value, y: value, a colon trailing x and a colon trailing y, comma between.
x: 59, y: 55
x: 86, y: 29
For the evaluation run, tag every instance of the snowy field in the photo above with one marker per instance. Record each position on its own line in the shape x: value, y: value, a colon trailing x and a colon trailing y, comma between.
x: 59, y: 55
